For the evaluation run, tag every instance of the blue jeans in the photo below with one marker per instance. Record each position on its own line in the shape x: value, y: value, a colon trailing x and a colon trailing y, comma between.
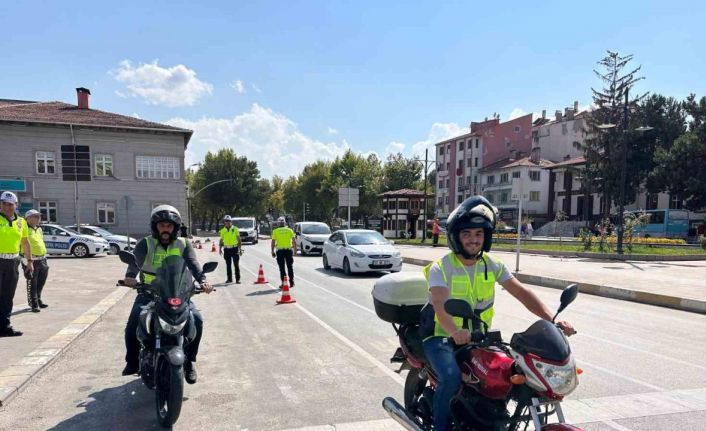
x: 443, y: 361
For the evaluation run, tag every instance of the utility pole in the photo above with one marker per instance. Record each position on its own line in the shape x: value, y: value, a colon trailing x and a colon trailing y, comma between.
x: 304, y: 211
x: 623, y: 166
x: 424, y: 229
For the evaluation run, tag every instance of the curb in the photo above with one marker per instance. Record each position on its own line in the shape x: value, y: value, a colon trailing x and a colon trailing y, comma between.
x: 668, y: 301
x: 16, y: 377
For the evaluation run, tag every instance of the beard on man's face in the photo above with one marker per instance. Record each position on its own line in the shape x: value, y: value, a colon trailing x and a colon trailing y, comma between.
x: 165, y: 237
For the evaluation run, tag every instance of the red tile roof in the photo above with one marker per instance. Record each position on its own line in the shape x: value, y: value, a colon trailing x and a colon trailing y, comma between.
x: 575, y: 161
x: 17, y: 111
x: 406, y: 193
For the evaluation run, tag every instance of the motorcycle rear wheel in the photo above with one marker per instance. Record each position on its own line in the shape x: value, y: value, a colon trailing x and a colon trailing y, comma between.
x: 413, y: 387
x: 169, y: 392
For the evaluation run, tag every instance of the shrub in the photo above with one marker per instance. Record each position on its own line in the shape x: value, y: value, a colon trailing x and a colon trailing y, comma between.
x: 586, y: 238
x: 702, y: 240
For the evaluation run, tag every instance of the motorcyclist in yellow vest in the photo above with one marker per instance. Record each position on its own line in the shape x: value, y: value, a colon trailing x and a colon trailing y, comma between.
x: 165, y: 222
x: 285, y: 243
x: 13, y: 235
x: 37, y: 278
x: 230, y: 248
x: 469, y: 273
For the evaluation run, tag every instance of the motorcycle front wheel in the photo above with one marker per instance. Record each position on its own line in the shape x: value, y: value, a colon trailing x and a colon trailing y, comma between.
x: 168, y: 392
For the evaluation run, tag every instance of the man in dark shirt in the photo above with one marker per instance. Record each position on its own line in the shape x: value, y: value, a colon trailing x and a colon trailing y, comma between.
x: 149, y: 254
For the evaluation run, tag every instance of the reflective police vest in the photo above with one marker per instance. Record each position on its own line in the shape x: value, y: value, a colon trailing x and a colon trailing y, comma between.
x: 229, y: 236
x: 156, y: 254
x: 480, y: 292
x: 11, y: 234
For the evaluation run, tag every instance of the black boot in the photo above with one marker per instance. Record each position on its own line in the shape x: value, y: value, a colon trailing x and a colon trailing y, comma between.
x: 42, y: 305
x: 130, y: 369
x: 10, y: 332
x: 190, y: 374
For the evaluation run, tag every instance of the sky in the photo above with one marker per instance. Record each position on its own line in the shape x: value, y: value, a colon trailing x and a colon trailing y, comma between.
x: 286, y: 83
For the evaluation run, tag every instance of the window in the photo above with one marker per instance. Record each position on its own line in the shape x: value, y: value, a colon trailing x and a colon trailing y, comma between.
x: 403, y: 205
x: 652, y: 201
x: 516, y: 174
x: 46, y: 162
x: 675, y: 202
x: 104, y: 165
x: 460, y: 146
x: 460, y: 164
x: 534, y: 196
x: 446, y: 200
x: 475, y: 162
x: 475, y: 179
x: 441, y: 151
x: 48, y: 211
x: 447, y: 183
x: 534, y: 175
x: 476, y: 143
x: 157, y: 167
x: 468, y: 180
x: 503, y: 197
x: 391, y: 205
x: 468, y: 163
x: 491, y: 179
x: 106, y: 213
x: 460, y: 181
x: 459, y: 199
x: 441, y: 201
x: 448, y: 166
x: 441, y: 184
x: 448, y: 149
x: 504, y: 177
x: 518, y: 129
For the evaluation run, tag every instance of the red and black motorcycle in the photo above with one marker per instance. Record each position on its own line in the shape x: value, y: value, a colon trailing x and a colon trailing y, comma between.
x: 506, y: 386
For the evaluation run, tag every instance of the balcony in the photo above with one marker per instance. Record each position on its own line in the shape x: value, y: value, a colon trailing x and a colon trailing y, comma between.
x: 463, y: 188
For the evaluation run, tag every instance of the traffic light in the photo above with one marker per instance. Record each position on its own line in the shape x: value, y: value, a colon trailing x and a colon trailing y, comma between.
x: 306, y: 207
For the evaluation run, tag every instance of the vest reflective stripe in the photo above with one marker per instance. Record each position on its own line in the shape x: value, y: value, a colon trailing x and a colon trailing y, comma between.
x: 11, y: 234
x: 156, y: 254
x: 480, y: 293
x: 229, y: 237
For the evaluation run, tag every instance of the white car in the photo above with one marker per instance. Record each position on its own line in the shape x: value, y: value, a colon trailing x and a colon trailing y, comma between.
x: 61, y: 240
x: 247, y: 227
x: 116, y: 242
x: 360, y: 250
x: 311, y: 236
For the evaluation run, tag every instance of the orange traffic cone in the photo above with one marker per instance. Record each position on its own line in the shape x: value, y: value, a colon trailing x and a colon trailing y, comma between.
x: 213, y: 248
x: 261, y: 276
x: 286, y: 299
x: 200, y: 246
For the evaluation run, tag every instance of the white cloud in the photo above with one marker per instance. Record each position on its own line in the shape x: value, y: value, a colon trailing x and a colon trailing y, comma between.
x: 332, y: 131
x: 438, y: 132
x: 134, y: 114
x: 394, y: 148
x: 238, y: 86
x: 256, y: 88
x: 267, y: 137
x: 174, y: 86
x: 517, y: 113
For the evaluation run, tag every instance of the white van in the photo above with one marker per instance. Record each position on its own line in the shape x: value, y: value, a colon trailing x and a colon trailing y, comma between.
x: 247, y: 227
x: 311, y: 236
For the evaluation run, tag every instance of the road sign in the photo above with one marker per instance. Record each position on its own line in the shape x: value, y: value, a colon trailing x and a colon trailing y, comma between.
x: 348, y: 197
x: 516, y: 190
x: 13, y: 185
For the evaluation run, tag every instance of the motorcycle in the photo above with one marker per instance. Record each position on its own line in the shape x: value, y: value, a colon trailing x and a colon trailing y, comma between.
x: 165, y: 325
x: 529, y: 376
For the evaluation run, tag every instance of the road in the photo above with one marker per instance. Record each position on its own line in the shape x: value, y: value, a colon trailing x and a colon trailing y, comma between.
x: 323, y: 363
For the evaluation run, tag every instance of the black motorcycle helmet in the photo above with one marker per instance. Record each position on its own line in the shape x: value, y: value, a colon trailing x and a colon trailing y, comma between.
x: 474, y: 212
x: 165, y: 213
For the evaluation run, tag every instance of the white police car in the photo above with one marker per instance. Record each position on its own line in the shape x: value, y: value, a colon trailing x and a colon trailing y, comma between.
x: 116, y: 242
x: 61, y: 240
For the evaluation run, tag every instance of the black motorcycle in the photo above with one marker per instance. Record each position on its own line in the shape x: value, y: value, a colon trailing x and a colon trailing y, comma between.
x: 166, y: 324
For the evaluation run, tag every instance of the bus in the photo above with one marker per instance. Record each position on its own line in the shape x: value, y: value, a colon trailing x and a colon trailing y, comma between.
x: 664, y: 223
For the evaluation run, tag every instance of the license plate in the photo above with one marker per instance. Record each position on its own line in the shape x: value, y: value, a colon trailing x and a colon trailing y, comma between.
x: 380, y: 262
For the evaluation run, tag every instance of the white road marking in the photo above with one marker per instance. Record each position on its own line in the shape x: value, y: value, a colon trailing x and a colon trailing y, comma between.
x: 378, y: 425
x: 616, y: 426
x: 621, y: 375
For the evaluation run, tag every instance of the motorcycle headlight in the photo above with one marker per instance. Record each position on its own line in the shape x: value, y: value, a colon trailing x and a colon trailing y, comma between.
x: 171, y: 329
x: 356, y: 253
x: 561, y: 378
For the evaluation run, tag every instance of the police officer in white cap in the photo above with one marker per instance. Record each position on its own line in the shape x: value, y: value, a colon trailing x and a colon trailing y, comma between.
x: 13, y: 235
x: 37, y: 278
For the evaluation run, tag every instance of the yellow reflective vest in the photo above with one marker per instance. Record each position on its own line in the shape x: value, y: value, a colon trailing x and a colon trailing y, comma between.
x: 156, y: 254
x: 230, y: 236
x: 283, y: 237
x: 476, y: 287
x: 11, y: 234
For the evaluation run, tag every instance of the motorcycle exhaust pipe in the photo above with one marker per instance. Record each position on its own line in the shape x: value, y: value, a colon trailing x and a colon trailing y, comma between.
x: 399, y: 414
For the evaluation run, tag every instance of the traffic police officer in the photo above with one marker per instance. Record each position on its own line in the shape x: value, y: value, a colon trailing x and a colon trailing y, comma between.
x: 283, y: 239
x: 230, y: 248
x: 37, y: 278
x: 13, y: 233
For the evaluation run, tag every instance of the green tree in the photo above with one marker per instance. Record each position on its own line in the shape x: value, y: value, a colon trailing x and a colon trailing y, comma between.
x: 364, y: 172
x: 400, y: 172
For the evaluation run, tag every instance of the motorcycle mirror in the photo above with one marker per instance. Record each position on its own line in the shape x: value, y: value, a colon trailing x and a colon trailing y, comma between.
x: 567, y: 297
x: 458, y: 308
x: 127, y: 258
x: 209, y: 267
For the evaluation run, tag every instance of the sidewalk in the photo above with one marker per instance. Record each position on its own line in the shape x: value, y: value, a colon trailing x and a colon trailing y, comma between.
x: 680, y: 285
x: 79, y: 292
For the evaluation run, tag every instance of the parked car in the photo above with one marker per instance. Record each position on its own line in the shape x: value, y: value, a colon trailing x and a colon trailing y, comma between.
x: 61, y: 240
x: 506, y: 229
x: 360, y: 250
x: 116, y: 242
x: 311, y: 236
x: 247, y: 227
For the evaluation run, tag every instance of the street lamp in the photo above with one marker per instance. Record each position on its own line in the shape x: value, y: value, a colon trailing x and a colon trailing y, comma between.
x: 189, y: 197
x: 623, y: 168
x: 426, y: 162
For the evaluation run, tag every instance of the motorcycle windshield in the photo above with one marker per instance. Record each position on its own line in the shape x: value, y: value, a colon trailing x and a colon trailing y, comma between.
x: 543, y: 339
x: 173, y: 279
